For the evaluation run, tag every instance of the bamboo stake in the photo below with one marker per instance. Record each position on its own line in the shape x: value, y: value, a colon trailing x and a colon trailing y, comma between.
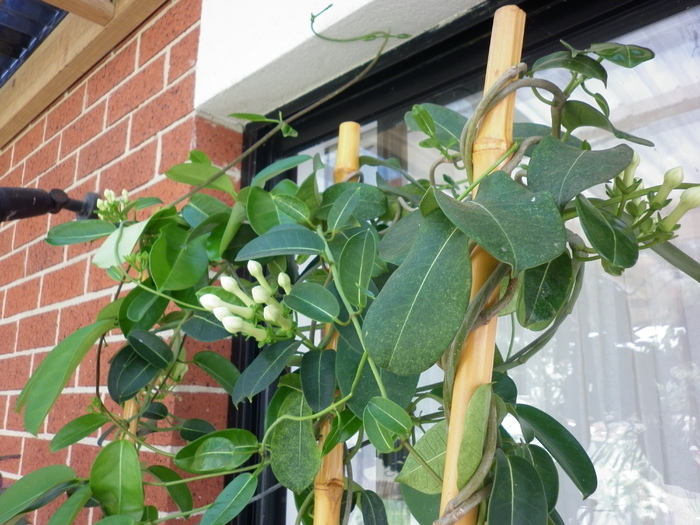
x: 475, y: 365
x: 329, y: 483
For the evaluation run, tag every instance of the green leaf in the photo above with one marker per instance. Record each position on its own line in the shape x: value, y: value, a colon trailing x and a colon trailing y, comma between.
x: 133, y: 313
x: 179, y: 492
x: 523, y: 130
x: 432, y: 447
x: 22, y: 493
x: 565, y: 171
x: 611, y: 237
x: 68, y: 511
x: 253, y: 117
x: 202, y: 206
x: 119, y: 519
x: 194, y: 428
x: 563, y: 447
x: 342, y: 428
x: 196, y: 173
x: 292, y: 207
x: 544, y: 291
x: 622, y: 54
x: 474, y: 434
x: 285, y: 239
x: 243, y: 445
x: 385, y: 422
x: 294, y: 456
x: 425, y: 508
x: 372, y: 204
x: 79, y: 231
x: 343, y: 208
x: 156, y: 410
x: 262, y: 212
x: 544, y: 464
x: 151, y: 348
x: 447, y: 124
x: 120, y: 243
x: 318, y: 378
x: 115, y: 479
x: 308, y: 192
x: 397, y: 241
x: 128, y: 374
x: 355, y: 267
x: 217, y: 366
x: 46, y: 384
x: 176, y: 262
x: 277, y: 168
x: 231, y: 501
x: 418, y: 312
x: 77, y: 429
x: 581, y: 64
x: 504, y: 387
x: 204, y: 326
x: 313, y: 301
x: 214, y: 454
x: 373, y: 510
x: 517, y: 497
x: 578, y: 114
x: 678, y: 258
x: 235, y: 222
x: 263, y: 370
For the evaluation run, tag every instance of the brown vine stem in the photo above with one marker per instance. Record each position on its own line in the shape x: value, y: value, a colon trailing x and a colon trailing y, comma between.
x: 494, y: 137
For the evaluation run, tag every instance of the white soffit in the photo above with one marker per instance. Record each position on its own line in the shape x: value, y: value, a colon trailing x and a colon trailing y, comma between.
x: 255, y: 56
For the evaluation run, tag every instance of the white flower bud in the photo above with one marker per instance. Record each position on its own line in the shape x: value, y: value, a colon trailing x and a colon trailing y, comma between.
x: 690, y: 199
x: 210, y: 301
x: 672, y: 179
x: 235, y: 325
x: 256, y: 270
x: 260, y: 295
x: 273, y: 314
x: 284, y: 282
x: 628, y: 174
x: 221, y: 312
x: 231, y: 285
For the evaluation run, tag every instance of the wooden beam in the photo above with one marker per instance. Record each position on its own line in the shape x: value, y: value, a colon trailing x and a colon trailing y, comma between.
x: 67, y: 53
x: 98, y: 11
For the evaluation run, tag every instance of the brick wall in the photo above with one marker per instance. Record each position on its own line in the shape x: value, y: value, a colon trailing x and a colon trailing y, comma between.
x: 121, y: 126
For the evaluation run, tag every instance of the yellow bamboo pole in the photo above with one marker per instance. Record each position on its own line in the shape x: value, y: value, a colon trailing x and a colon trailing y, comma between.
x: 329, y: 482
x: 475, y: 365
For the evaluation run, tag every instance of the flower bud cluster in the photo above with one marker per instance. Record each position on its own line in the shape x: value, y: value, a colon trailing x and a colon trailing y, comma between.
x: 260, y: 305
x: 113, y: 208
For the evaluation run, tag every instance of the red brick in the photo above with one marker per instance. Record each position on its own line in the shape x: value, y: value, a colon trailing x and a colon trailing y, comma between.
x: 65, y: 112
x: 172, y: 23
x: 131, y: 172
x: 135, y: 91
x: 82, y: 457
x: 61, y: 176
x: 22, y: 298
x: 41, y: 161
x: 221, y: 144
x: 29, y: 142
x: 172, y: 105
x: 99, y: 152
x: 8, y: 337
x: 88, y: 126
x: 36, y: 455
x: 112, y: 72
x: 29, y: 229
x: 63, y: 284
x: 176, y: 145
x: 66, y: 409
x: 5, y: 159
x: 13, y: 177
x: 12, y: 267
x: 41, y: 255
x: 10, y: 446
x: 37, y: 331
x: 3, y: 409
x: 44, y: 514
x: 75, y: 317
x: 87, y: 371
x: 98, y: 279
x: 15, y: 371
x: 183, y: 55
x: 203, y: 405
x: 14, y: 420
x: 195, y: 375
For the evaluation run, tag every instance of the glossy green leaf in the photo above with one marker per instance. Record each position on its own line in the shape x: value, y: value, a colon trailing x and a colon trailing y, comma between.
x: 622, y: 54
x: 678, y: 258
x: 214, y: 454
x: 522, y: 130
x: 119, y: 519
x: 196, y: 173
x: 385, y: 422
x: 234, y: 224
x: 544, y: 291
x: 263, y: 370
x: 514, y: 225
x: 342, y: 428
x: 578, y: 114
x: 243, y: 445
x: 156, y: 411
x: 28, y: 489
x: 425, y: 508
x: 504, y: 387
x: 69, y: 510
x: 422, y: 305
x: 141, y: 303
x: 76, y: 232
x: 217, y: 366
x: 373, y: 510
x: 318, y: 378
x: 309, y: 194
x: 447, y: 124
x: 128, y: 374
x: 281, y: 393
x: 40, y: 394
x: 555, y: 518
x: 397, y: 241
x: 204, y: 326
x: 120, y: 243
x: 115, y: 479
x: 194, y: 428
x: 372, y: 203
x: 292, y: 207
x: 285, y: 239
x: 432, y: 447
x: 474, y: 434
x: 202, y: 206
x: 611, y: 237
x: 544, y: 464
x: 139, y: 310
x: 151, y: 348
x: 77, y: 429
x: 231, y: 501
x: 177, y: 263
x: 277, y: 168
x: 517, y: 497
x: 294, y: 456
x: 581, y: 64
x: 563, y: 447
x: 343, y: 208
x: 262, y: 212
x: 565, y: 171
x: 179, y: 492
x: 313, y: 301
x: 355, y: 267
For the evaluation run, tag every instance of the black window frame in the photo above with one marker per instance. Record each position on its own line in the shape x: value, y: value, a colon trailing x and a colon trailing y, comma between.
x: 434, y: 62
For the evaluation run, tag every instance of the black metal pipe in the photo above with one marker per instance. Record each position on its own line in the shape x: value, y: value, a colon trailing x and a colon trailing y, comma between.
x: 21, y: 203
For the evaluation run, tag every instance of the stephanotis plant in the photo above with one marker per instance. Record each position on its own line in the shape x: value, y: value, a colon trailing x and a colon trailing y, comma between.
x: 380, y: 273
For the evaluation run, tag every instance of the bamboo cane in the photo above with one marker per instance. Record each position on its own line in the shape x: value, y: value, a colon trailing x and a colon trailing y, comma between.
x: 329, y: 483
x: 475, y: 365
